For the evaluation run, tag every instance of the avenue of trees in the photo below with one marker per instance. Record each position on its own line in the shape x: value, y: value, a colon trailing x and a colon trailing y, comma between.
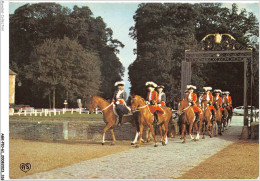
x: 59, y: 54
x: 164, y: 30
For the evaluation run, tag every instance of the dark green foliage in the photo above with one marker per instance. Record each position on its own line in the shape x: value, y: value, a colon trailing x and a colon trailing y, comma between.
x: 164, y: 31
x: 56, y: 47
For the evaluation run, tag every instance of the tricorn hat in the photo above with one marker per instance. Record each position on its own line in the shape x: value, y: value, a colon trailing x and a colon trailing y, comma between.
x: 151, y: 84
x: 226, y: 92
x: 119, y: 83
x: 160, y: 86
x: 191, y: 87
x: 217, y: 91
x: 207, y: 88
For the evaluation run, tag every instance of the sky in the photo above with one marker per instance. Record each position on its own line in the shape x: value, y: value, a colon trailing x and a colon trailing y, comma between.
x: 119, y: 17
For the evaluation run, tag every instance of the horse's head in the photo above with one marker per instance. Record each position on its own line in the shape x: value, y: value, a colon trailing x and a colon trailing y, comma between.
x: 136, y: 101
x: 93, y: 104
x: 182, y: 105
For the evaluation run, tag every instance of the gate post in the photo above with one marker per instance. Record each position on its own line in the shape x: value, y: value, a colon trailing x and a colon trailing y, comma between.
x: 245, y: 131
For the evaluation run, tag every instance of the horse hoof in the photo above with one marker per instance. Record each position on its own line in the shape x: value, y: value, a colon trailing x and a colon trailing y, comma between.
x: 136, y: 146
x: 229, y: 126
x: 112, y: 144
x: 155, y: 145
x: 183, y: 142
x: 196, y: 139
x: 103, y: 144
x: 132, y: 144
x: 203, y: 137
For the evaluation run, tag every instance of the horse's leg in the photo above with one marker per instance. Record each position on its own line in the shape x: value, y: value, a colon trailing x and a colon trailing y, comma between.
x: 190, y: 128
x: 165, y: 139
x: 183, y: 132
x: 104, y: 132
x: 141, y: 133
x: 149, y: 135
x: 208, y: 129
x: 136, y: 136
x: 220, y: 127
x: 113, y: 135
x: 197, y: 130
x: 161, y: 133
x: 154, y: 136
x: 204, y: 125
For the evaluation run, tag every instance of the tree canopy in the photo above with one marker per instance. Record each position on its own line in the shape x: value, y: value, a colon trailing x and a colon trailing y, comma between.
x: 164, y: 30
x: 56, y: 48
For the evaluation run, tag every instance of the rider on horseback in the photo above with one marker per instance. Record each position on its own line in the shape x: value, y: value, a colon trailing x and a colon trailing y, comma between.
x: 161, y: 96
x: 152, y: 99
x: 192, y: 98
x: 209, y: 98
x: 119, y: 99
x: 200, y: 98
x: 228, y: 101
x: 218, y: 99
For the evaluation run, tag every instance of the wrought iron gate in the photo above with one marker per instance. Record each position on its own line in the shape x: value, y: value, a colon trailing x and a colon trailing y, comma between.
x: 220, y: 48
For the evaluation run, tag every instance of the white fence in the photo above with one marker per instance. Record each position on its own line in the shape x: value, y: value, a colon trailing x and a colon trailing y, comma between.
x: 51, y: 112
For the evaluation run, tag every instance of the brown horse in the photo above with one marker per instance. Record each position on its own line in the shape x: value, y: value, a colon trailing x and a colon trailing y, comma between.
x: 230, y: 114
x: 186, y: 118
x: 224, y: 119
x: 146, y: 118
x: 109, y: 116
x: 207, y: 116
x: 218, y: 118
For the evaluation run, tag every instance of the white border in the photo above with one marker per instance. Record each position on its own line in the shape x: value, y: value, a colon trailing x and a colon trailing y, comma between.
x: 5, y: 83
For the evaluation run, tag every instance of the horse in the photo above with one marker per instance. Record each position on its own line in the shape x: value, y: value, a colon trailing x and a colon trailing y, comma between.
x: 218, y: 118
x: 207, y: 116
x: 110, y: 117
x: 225, y: 118
x: 186, y: 118
x: 146, y: 118
x: 230, y: 114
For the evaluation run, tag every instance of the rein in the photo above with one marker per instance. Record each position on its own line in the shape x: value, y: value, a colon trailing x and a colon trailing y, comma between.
x: 107, y: 106
x: 182, y: 111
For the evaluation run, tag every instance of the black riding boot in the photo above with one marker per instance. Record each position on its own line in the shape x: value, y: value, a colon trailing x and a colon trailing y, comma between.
x: 120, y: 117
x: 155, y: 118
x: 213, y: 114
x: 197, y: 116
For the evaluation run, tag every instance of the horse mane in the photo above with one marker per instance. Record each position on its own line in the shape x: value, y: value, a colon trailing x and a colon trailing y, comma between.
x: 140, y: 97
x: 102, y: 98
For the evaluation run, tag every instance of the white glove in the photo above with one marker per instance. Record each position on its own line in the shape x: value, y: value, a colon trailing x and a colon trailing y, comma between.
x: 147, y: 102
x: 117, y: 102
x: 190, y: 104
x: 159, y: 104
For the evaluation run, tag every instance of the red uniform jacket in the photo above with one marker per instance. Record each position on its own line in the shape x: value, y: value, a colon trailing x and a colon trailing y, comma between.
x: 210, y: 97
x: 193, y: 97
x: 154, y: 97
x: 219, y: 102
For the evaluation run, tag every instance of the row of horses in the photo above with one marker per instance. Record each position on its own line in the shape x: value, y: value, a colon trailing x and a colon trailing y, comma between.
x: 143, y: 119
x: 214, y: 126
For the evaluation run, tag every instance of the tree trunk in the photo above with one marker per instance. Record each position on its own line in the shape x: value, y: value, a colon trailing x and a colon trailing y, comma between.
x: 53, y: 98
x: 50, y: 100
x: 67, y: 94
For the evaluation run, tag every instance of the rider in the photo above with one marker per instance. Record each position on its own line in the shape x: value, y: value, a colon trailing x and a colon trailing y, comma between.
x: 161, y: 96
x: 209, y: 98
x: 192, y: 98
x: 228, y: 101
x: 200, y: 98
x: 119, y: 99
x: 218, y: 98
x: 152, y: 99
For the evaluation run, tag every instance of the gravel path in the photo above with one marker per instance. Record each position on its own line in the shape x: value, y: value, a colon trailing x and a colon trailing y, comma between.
x: 148, y: 162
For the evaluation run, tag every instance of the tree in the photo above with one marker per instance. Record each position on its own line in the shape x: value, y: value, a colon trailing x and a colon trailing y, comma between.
x: 164, y: 31
x: 31, y: 25
x: 63, y: 65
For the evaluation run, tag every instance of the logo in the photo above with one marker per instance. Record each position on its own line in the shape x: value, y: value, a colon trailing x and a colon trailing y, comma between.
x: 25, y: 167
